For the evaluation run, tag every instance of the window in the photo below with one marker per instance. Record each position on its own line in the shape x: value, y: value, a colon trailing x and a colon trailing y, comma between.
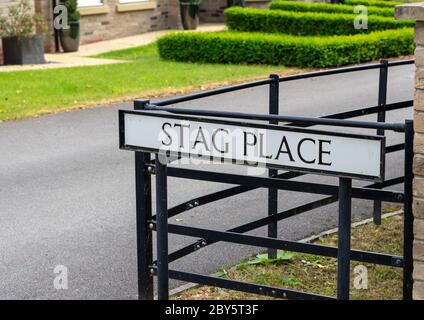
x: 89, y: 3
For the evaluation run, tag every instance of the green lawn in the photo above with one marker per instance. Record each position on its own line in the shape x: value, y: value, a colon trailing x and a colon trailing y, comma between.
x: 30, y: 93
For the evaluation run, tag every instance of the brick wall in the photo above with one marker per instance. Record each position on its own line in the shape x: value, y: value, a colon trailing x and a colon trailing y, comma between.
x: 415, y: 11
x: 120, y: 24
x: 115, y: 24
x: 44, y: 7
x: 213, y: 10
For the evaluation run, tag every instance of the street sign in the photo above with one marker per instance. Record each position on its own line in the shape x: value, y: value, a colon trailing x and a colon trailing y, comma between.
x: 282, y: 147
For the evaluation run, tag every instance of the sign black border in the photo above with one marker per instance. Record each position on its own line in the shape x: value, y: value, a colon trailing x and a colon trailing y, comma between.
x: 382, y: 140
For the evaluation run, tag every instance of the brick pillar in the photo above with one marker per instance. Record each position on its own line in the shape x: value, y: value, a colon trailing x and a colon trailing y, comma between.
x: 45, y: 9
x: 415, y: 11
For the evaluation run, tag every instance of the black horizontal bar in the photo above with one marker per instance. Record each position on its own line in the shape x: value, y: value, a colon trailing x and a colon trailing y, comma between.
x: 395, y: 147
x: 244, y: 286
x: 369, y: 110
x: 398, y: 127
x: 342, y: 70
x: 254, y: 225
x: 400, y: 62
x: 279, y: 216
x: 387, y: 183
x: 219, y: 195
x: 264, y: 242
x: 257, y: 83
x: 212, y: 92
x: 264, y: 182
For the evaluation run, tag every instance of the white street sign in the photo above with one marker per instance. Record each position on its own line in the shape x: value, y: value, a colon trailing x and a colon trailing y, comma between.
x: 283, y: 147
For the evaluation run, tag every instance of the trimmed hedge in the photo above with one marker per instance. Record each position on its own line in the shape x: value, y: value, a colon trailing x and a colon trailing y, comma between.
x: 260, y: 48
x: 304, y: 23
x: 374, y: 3
x: 328, y: 8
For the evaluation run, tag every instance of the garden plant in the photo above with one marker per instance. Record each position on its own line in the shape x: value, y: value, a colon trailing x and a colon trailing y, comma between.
x: 297, y: 34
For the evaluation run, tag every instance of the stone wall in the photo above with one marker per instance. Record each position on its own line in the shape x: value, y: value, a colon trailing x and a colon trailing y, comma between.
x: 415, y: 11
x: 45, y: 9
x: 213, y: 10
x: 120, y: 20
x: 115, y: 20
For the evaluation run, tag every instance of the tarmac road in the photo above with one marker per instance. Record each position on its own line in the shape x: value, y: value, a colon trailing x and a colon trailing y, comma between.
x: 67, y: 191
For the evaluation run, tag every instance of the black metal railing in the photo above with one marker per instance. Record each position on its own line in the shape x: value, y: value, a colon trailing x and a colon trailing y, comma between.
x: 147, y: 222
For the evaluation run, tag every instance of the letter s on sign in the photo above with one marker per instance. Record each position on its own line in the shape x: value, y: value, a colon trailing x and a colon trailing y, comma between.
x: 167, y: 133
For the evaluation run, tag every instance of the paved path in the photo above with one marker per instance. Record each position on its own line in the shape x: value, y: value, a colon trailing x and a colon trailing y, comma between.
x: 82, y: 57
x: 67, y: 191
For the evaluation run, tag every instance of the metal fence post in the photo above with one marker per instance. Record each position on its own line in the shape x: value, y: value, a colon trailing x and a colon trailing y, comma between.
x: 381, y: 117
x: 408, y: 235
x: 162, y: 229
x: 343, y: 254
x: 143, y: 190
x: 274, y: 92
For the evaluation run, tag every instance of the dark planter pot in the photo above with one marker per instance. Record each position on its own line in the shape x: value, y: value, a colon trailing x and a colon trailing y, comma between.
x: 23, y: 50
x: 70, y: 37
x: 189, y: 15
x: 232, y: 3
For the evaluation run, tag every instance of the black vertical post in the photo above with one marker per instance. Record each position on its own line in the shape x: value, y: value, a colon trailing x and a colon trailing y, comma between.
x: 274, y: 92
x: 381, y: 117
x: 162, y: 229
x: 56, y: 32
x: 343, y: 254
x: 143, y: 190
x: 408, y: 235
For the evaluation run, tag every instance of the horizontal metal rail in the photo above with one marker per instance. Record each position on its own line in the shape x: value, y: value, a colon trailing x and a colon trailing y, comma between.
x: 277, y: 217
x: 244, y: 286
x: 263, y: 182
x: 252, y: 84
x: 229, y: 192
x: 265, y: 242
x: 295, y: 120
x: 321, y: 73
x: 395, y: 147
x: 219, y: 195
x: 363, y: 112
x: 213, y: 92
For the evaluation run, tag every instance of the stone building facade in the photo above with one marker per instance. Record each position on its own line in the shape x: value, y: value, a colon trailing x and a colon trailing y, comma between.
x: 110, y: 19
x: 415, y: 11
x: 213, y: 10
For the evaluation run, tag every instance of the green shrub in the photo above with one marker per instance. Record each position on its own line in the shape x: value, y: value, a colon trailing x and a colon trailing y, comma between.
x: 260, y: 48
x: 374, y: 3
x: 304, y: 23
x: 328, y: 8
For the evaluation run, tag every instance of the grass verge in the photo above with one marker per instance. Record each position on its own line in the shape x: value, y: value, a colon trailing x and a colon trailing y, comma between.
x: 316, y: 274
x: 32, y: 93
